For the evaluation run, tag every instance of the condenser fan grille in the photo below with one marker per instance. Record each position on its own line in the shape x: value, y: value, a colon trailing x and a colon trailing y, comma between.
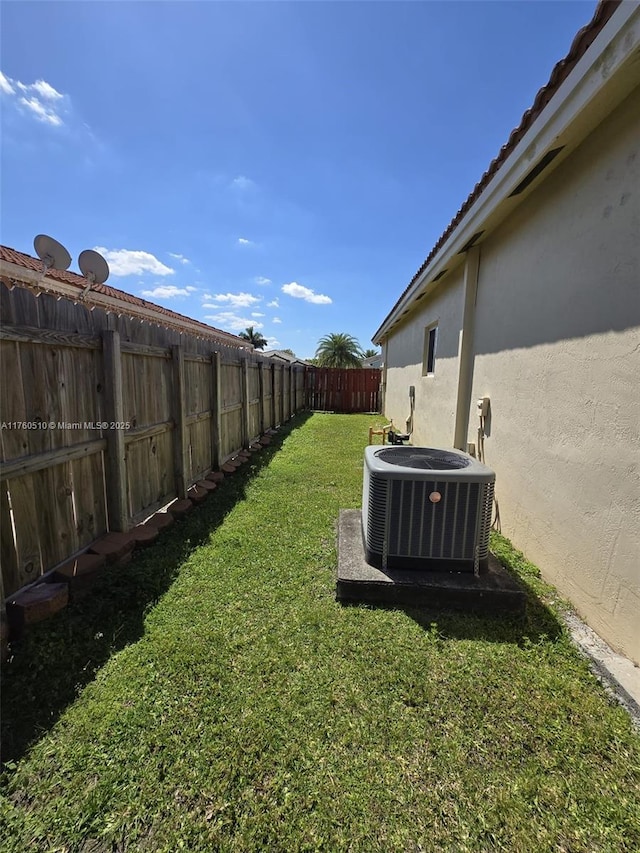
x: 423, y: 458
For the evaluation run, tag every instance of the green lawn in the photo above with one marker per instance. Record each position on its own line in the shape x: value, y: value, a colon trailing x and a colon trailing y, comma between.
x: 215, y: 697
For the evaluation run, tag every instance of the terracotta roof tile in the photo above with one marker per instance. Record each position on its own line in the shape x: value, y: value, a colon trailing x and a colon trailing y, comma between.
x: 581, y: 43
x: 35, y: 265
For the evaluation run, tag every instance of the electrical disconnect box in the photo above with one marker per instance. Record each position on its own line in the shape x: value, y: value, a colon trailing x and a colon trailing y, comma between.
x: 483, y: 407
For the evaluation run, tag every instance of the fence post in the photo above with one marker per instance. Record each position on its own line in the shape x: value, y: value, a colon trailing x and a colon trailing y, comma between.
x: 282, y: 369
x: 216, y: 411
x: 291, y: 392
x: 116, y: 469
x: 180, y: 446
x: 273, y: 395
x: 261, y: 394
x: 245, y: 401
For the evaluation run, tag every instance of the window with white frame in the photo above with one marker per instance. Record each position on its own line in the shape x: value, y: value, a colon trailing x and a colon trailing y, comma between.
x: 429, y: 355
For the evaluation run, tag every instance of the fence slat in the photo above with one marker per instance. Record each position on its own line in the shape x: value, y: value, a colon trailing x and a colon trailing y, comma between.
x: 216, y: 409
x: 180, y: 446
x: 246, y: 402
x: 261, y: 395
x: 116, y: 473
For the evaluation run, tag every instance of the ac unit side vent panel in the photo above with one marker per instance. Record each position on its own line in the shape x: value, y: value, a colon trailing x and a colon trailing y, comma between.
x: 376, y: 520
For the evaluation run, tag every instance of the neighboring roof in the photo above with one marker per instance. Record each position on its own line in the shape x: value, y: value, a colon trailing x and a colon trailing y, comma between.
x: 164, y: 316
x: 373, y: 360
x: 581, y: 43
x: 285, y: 356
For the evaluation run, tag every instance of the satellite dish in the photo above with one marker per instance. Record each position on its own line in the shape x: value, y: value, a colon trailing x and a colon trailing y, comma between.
x: 93, y: 266
x: 51, y: 253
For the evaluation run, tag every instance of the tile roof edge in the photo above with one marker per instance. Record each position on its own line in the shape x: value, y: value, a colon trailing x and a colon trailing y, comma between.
x: 163, y: 316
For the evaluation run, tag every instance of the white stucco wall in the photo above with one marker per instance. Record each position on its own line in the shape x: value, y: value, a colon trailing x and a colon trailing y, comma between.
x: 557, y: 350
x: 557, y: 343
x: 435, y: 405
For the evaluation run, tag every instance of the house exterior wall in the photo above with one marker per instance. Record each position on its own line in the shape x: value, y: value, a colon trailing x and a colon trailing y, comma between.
x: 435, y: 402
x: 556, y: 349
x: 557, y: 325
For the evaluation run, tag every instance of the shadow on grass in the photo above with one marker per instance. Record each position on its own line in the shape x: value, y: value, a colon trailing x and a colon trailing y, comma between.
x: 538, y: 622
x: 57, y: 658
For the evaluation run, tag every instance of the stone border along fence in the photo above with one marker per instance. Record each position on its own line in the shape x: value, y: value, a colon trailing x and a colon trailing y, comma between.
x: 105, y: 420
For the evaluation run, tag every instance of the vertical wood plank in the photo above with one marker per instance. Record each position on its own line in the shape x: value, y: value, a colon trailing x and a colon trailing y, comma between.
x: 116, y: 472
x: 181, y: 449
x: 10, y: 576
x: 282, y: 369
x: 246, y: 401
x: 273, y: 395
x: 261, y: 395
x: 292, y: 405
x: 216, y: 411
x: 26, y: 511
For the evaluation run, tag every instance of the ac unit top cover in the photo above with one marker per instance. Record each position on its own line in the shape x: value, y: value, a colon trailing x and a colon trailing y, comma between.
x: 400, y: 462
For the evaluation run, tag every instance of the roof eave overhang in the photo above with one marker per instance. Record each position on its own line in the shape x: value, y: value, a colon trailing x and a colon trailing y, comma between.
x: 601, y: 79
x: 94, y: 299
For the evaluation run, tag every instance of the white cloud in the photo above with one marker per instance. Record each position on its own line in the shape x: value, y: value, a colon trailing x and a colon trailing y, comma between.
x: 133, y: 262
x: 242, y: 183
x: 273, y: 304
x: 192, y: 289
x: 39, y: 99
x: 299, y: 291
x: 168, y: 291
x: 41, y: 112
x: 272, y: 343
x: 44, y: 90
x: 261, y: 280
x: 232, y: 322
x: 242, y: 241
x: 236, y: 300
x: 180, y: 258
x: 5, y: 85
x: 276, y: 320
x: 256, y: 314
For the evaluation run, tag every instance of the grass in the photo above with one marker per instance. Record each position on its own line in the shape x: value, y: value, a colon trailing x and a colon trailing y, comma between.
x: 215, y: 697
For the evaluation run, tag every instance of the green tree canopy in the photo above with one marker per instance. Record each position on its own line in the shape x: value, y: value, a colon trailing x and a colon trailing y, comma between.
x: 338, y: 349
x: 369, y: 353
x: 254, y: 337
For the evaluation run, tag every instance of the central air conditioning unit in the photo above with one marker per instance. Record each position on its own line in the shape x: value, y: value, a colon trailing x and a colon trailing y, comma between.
x: 424, y: 508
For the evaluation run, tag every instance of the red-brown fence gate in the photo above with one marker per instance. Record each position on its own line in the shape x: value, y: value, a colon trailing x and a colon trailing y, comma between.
x: 338, y: 389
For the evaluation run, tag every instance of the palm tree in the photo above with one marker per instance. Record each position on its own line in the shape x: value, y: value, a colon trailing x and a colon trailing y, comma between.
x: 254, y: 337
x: 369, y: 353
x: 338, y: 349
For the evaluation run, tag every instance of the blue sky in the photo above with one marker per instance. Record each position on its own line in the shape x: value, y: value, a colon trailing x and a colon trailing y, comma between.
x: 287, y: 165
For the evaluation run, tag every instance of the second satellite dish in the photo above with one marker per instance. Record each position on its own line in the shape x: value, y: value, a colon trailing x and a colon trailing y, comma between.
x: 51, y: 253
x: 93, y: 266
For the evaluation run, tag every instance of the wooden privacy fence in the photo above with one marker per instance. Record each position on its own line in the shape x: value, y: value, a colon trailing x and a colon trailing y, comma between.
x: 336, y: 389
x: 106, y: 418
